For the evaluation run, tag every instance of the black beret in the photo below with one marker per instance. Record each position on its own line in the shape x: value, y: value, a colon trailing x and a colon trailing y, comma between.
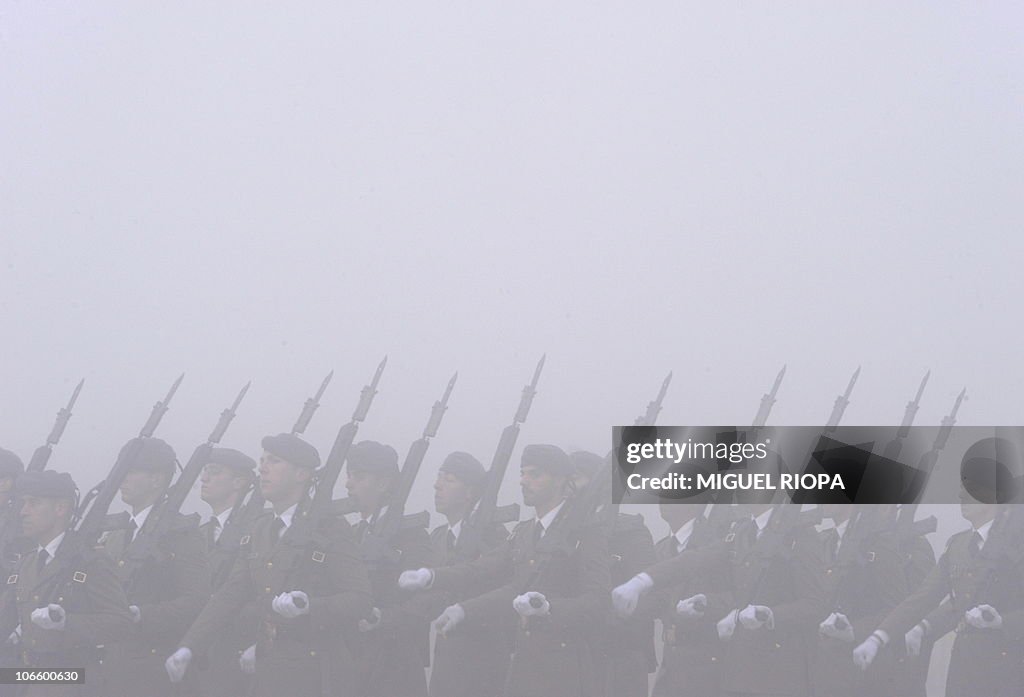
x: 991, y: 471
x: 371, y: 456
x: 153, y: 455
x: 10, y: 464
x: 465, y: 467
x: 49, y: 484
x: 548, y: 457
x: 586, y: 463
x: 234, y: 459
x: 293, y: 449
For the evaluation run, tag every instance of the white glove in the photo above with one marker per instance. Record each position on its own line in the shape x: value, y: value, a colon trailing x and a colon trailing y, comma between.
x: 41, y: 617
x: 727, y: 625
x: 177, y: 664
x: 757, y: 616
x: 449, y: 619
x: 286, y: 606
x: 15, y: 638
x: 913, y: 640
x: 864, y: 654
x: 626, y: 596
x: 367, y: 625
x: 525, y: 605
x: 692, y: 606
x: 984, y: 617
x: 136, y: 615
x: 416, y: 579
x: 247, y: 661
x: 830, y: 627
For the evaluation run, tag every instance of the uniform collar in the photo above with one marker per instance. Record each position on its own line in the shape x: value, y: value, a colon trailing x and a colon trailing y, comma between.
x: 52, y: 545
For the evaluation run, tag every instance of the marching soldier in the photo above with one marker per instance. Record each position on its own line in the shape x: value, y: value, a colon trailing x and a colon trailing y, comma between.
x: 864, y: 581
x: 776, y: 570
x: 981, y: 572
x: 392, y: 644
x: 554, y: 601
x: 470, y: 663
x: 305, y: 593
x: 65, y: 598
x: 625, y: 649
x: 692, y: 658
x: 224, y: 482
x: 167, y: 591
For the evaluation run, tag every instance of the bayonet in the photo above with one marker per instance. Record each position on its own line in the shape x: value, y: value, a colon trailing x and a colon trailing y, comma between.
x: 768, y: 401
x: 842, y: 401
x: 650, y: 416
x: 310, y: 407
x: 159, y: 409
x: 41, y: 456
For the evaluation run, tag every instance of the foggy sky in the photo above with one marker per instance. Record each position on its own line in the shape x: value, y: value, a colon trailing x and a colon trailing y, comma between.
x: 268, y: 192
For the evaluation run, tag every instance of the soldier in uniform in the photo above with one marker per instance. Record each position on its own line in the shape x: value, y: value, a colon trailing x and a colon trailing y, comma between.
x: 305, y: 588
x: 392, y: 643
x: 981, y: 572
x: 470, y: 663
x: 625, y: 649
x: 65, y: 598
x: 224, y: 482
x: 776, y: 570
x: 692, y: 658
x: 864, y: 581
x: 554, y: 601
x: 167, y: 591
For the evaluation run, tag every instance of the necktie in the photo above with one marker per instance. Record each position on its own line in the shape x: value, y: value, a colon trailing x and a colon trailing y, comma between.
x: 41, y: 559
x: 538, y: 531
x: 276, y: 528
x: 130, y: 535
x: 214, y: 529
x: 451, y: 541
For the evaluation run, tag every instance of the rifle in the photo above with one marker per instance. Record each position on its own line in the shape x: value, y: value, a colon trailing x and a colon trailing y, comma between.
x: 469, y: 544
x: 787, y: 519
x: 41, y: 456
x: 768, y: 401
x: 319, y: 506
x: 906, y: 527
x: 245, y: 512
x: 145, y: 546
x: 893, y: 447
x: 91, y: 515
x: 378, y: 544
x: 650, y: 416
x: 842, y: 401
x: 720, y: 515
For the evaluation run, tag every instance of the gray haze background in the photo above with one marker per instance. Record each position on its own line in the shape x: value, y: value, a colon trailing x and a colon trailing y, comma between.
x: 267, y: 192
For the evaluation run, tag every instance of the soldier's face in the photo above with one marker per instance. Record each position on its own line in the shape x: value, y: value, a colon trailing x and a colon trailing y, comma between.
x: 974, y: 512
x: 366, y: 489
x: 141, y: 488
x: 280, y: 480
x: 451, y: 494
x: 540, y: 486
x: 219, y: 484
x: 40, y: 516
